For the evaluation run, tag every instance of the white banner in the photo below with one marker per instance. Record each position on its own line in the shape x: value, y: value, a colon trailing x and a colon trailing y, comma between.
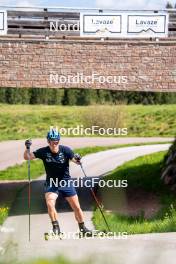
x: 104, y: 24
x: 150, y: 24
x: 3, y: 22
x: 124, y: 24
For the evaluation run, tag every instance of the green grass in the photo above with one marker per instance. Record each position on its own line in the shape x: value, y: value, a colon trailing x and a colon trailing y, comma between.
x: 138, y: 225
x: 151, y: 120
x: 24, y: 121
x: 142, y: 173
x: 60, y: 260
x: 4, y: 211
x: 56, y: 260
x: 51, y: 261
x: 19, y: 172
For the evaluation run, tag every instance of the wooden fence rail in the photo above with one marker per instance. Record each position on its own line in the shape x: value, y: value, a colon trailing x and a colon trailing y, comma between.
x: 38, y: 23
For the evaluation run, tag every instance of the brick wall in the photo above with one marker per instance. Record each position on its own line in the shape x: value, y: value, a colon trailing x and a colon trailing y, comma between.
x: 137, y: 65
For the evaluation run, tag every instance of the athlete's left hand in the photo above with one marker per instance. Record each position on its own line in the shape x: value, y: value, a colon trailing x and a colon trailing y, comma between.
x: 77, y: 158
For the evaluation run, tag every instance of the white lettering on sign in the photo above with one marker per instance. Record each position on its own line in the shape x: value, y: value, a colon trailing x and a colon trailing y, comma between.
x: 102, y: 22
x: 146, y: 22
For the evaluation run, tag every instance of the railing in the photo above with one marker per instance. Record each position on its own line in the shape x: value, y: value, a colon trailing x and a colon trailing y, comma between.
x: 37, y: 21
x: 172, y: 23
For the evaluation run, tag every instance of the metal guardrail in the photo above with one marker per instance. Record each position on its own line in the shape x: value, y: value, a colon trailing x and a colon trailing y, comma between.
x: 37, y: 21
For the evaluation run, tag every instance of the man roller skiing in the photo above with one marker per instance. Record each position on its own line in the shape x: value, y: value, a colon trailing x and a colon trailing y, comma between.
x: 56, y: 159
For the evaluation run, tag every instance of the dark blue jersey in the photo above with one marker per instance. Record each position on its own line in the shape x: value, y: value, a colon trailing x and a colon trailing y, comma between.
x: 56, y: 164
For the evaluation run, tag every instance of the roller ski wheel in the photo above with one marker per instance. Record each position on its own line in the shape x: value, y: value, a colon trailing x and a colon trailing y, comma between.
x: 53, y: 236
x: 93, y: 233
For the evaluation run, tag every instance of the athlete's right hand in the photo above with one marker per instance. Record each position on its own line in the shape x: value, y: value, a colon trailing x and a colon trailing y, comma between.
x: 77, y: 157
x: 28, y: 143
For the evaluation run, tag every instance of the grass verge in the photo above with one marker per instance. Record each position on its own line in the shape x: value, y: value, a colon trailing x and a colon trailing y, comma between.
x: 143, y: 173
x: 56, y: 260
x: 4, y: 211
x: 32, y: 121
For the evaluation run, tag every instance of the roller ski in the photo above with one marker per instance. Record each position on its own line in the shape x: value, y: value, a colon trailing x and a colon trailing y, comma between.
x: 55, y: 233
x: 52, y: 236
x: 92, y: 234
x: 85, y: 232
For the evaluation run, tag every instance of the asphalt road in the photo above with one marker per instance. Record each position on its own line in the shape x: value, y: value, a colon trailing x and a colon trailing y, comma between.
x: 150, y: 248
x: 11, y: 152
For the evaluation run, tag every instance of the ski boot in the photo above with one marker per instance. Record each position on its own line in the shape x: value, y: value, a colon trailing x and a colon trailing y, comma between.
x: 56, y: 228
x: 84, y: 231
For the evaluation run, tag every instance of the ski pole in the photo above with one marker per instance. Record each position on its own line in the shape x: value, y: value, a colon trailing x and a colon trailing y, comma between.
x: 96, y: 200
x: 28, y: 144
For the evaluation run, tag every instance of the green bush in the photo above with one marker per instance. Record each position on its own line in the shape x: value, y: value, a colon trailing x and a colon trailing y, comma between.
x: 104, y: 116
x: 74, y: 96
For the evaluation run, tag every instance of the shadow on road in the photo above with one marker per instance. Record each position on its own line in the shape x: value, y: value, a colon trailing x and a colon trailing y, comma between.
x: 38, y: 205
